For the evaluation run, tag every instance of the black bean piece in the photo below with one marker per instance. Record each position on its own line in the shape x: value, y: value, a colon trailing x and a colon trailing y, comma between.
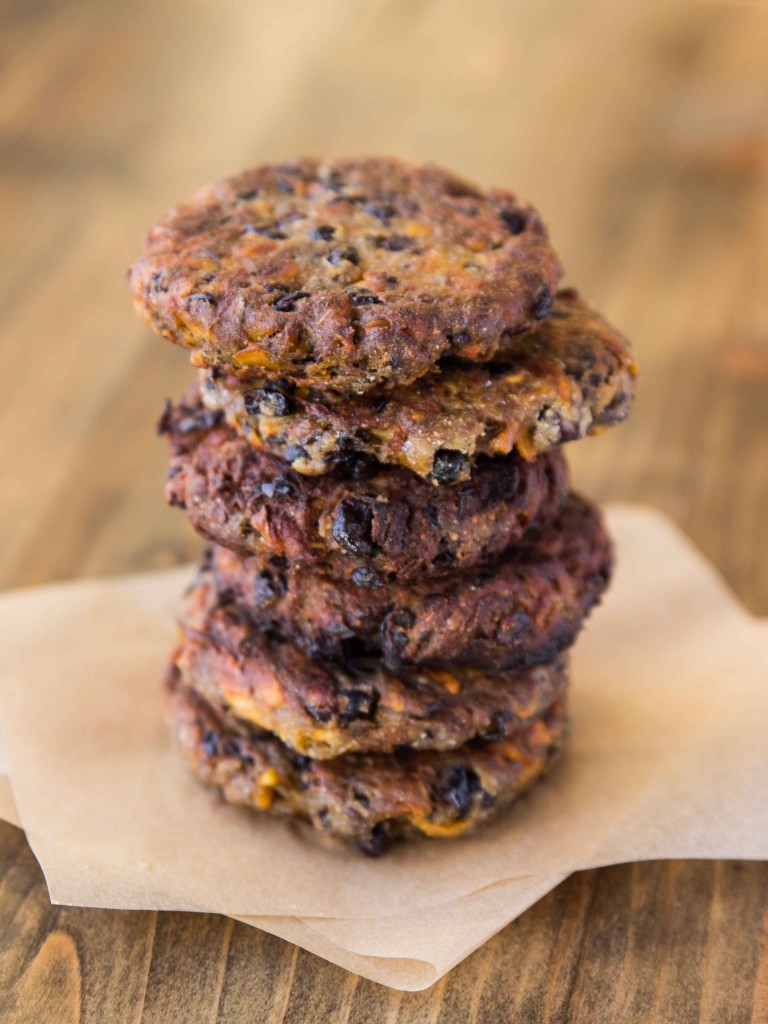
x: 265, y: 589
x: 211, y: 743
x: 266, y: 232
x: 379, y: 405
x: 543, y: 306
x: 377, y: 842
x: 380, y: 210
x: 432, y: 515
x: 293, y: 452
x: 284, y: 487
x: 245, y: 197
x: 461, y: 339
x: 359, y: 466
x: 271, y: 400
x: 467, y: 494
x: 461, y: 784
x: 206, y: 297
x: 344, y: 253
x: 287, y: 303
x: 448, y: 465
x: 404, y: 618
x: 444, y: 560
x: 365, y: 298
x: 158, y: 283
x: 394, y: 243
x: 395, y: 627
x: 323, y: 232
x: 352, y: 526
x: 366, y: 577
x: 205, y: 420
x: 360, y: 704
x: 319, y: 714
x: 514, y: 220
x: 498, y: 727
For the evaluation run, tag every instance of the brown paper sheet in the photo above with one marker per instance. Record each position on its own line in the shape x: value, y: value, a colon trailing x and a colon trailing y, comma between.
x: 668, y: 759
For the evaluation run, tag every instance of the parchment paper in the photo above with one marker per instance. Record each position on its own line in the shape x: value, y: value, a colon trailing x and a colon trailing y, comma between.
x: 668, y: 759
x: 410, y: 952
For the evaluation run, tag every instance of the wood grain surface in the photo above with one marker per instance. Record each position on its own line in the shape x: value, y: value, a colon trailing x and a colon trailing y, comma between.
x: 641, y: 132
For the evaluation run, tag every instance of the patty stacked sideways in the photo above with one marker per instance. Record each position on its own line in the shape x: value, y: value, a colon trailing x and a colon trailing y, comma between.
x: 377, y: 640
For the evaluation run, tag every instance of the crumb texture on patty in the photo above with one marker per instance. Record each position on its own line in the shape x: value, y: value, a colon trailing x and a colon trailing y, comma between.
x: 572, y: 376
x: 372, y: 798
x: 344, y: 275
x: 363, y: 518
x: 523, y: 609
x: 322, y: 708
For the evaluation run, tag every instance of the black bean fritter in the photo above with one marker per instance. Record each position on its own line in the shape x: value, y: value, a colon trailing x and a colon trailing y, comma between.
x: 523, y: 609
x: 324, y: 709
x: 372, y: 798
x: 345, y: 275
x: 363, y: 517
x: 572, y: 376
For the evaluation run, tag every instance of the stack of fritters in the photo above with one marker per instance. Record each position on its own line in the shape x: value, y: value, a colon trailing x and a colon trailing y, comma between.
x: 377, y: 640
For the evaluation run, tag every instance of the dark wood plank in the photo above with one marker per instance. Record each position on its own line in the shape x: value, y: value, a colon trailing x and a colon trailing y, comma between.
x: 660, y: 942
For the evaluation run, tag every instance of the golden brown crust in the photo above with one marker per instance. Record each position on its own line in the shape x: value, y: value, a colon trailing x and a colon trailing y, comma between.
x: 523, y: 609
x: 344, y: 275
x: 570, y: 377
x: 363, y: 517
x: 373, y: 798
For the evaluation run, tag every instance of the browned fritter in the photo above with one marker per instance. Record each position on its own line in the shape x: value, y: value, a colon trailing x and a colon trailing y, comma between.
x: 361, y: 517
x: 324, y: 709
x: 523, y: 609
x: 345, y: 275
x: 372, y: 798
x: 570, y: 377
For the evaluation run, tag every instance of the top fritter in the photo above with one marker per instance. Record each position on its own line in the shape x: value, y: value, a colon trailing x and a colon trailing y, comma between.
x: 344, y: 275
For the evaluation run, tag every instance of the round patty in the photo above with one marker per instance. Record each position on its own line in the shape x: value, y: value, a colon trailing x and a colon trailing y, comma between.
x: 324, y: 709
x: 362, y: 516
x: 344, y: 275
x: 523, y: 609
x: 373, y: 798
x: 570, y: 377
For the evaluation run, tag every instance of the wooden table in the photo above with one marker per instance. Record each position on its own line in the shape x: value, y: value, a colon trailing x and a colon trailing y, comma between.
x: 641, y: 131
